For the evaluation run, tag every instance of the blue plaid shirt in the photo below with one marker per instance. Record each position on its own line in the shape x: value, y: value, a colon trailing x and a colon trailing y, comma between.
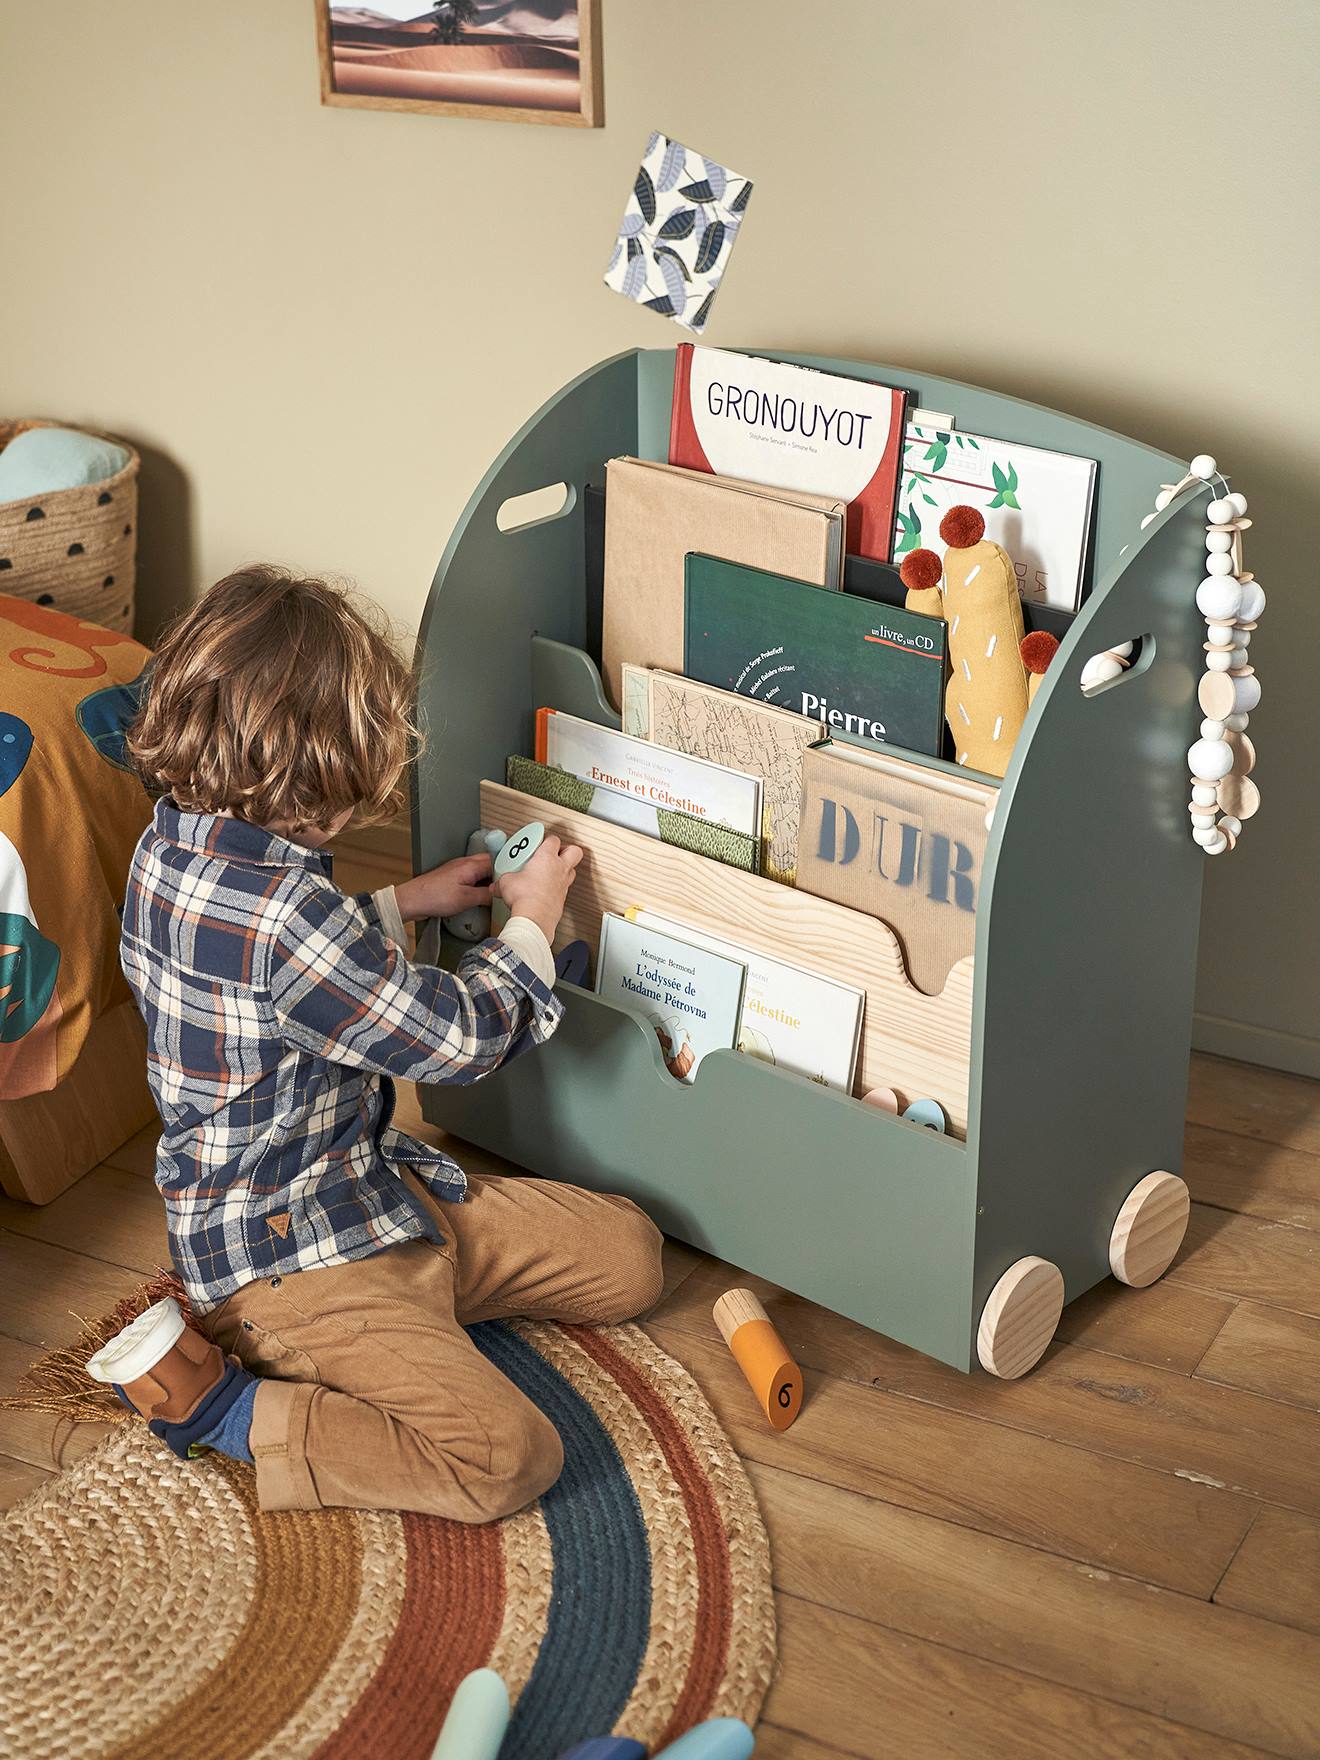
x: 277, y: 1012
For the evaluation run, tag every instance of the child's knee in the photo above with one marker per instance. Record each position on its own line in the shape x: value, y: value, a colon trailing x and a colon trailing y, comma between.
x: 635, y: 1272
x: 526, y: 1458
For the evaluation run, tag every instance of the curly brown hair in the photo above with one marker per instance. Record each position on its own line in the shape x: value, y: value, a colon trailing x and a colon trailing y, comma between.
x: 280, y: 700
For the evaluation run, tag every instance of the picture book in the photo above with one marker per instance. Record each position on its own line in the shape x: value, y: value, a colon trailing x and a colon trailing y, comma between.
x: 649, y: 775
x: 1037, y: 505
x: 849, y: 664
x: 692, y: 998
x: 738, y: 849
x: 655, y: 514
x: 689, y: 716
x: 678, y: 231
x: 792, y: 1018
x: 901, y: 841
x: 796, y: 427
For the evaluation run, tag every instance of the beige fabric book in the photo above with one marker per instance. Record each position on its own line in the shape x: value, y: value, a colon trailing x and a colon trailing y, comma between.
x: 705, y: 722
x: 899, y: 841
x: 656, y: 513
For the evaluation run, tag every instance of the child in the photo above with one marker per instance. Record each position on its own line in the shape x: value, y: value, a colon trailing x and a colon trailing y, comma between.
x: 337, y: 1260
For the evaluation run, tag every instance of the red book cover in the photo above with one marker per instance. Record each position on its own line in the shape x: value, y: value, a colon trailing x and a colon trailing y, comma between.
x: 736, y: 415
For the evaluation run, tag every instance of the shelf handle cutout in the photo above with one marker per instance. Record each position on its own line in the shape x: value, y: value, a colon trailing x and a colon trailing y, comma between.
x: 535, y: 507
x: 1112, y: 666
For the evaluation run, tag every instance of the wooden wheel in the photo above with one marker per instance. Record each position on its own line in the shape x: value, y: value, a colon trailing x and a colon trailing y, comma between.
x: 1019, y: 1318
x: 1149, y: 1229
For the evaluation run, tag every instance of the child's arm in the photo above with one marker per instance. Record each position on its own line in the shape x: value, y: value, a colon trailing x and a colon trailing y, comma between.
x: 344, y: 991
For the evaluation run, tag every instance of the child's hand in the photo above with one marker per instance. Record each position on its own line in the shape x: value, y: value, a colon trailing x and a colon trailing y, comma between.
x: 447, y: 891
x: 538, y: 889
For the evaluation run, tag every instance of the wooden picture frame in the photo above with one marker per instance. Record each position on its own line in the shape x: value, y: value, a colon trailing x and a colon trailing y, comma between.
x: 363, y: 81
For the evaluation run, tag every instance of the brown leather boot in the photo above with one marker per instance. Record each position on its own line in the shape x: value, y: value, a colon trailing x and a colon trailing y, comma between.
x: 163, y: 1367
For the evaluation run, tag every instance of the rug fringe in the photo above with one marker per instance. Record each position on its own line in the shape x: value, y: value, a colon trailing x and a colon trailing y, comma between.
x: 58, y: 1383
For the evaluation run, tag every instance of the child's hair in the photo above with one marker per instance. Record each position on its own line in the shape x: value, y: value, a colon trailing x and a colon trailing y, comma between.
x: 278, y: 700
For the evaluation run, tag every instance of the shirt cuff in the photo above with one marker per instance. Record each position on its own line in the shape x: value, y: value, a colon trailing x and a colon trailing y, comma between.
x: 527, y: 939
x: 387, y: 908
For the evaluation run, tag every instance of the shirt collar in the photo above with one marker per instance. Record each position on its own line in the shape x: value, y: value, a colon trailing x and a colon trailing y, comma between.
x: 234, y: 839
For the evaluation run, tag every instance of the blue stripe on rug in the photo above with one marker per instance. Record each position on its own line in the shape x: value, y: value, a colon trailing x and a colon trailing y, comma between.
x: 599, y: 1618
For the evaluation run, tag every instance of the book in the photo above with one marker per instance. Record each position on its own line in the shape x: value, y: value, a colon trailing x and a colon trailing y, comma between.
x: 678, y: 231
x: 1037, y: 505
x: 849, y: 664
x: 655, y: 514
x: 737, y: 849
x: 793, y: 427
x: 649, y: 775
x: 792, y: 1018
x: 692, y: 998
x: 706, y: 722
x: 901, y: 841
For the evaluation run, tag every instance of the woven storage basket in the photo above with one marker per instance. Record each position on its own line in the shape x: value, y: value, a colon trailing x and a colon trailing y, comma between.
x: 74, y: 549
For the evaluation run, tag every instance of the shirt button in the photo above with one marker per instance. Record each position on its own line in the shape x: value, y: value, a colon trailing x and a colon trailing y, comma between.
x: 275, y: 1282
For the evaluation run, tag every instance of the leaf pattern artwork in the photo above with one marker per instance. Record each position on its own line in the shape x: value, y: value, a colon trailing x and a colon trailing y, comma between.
x: 1006, y: 482
x: 677, y: 232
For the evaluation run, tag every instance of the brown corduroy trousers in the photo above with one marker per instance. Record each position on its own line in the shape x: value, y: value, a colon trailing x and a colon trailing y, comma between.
x: 373, y: 1395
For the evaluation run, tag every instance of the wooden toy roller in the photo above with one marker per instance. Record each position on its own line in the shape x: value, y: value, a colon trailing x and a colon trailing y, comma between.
x: 759, y: 1352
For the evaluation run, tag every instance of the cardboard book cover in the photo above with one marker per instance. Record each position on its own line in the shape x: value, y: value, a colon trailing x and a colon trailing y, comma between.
x: 737, y: 849
x: 849, y: 664
x: 798, y: 427
x: 691, y: 998
x: 899, y: 841
x: 1037, y: 505
x: 698, y: 718
x: 791, y: 1018
x: 655, y: 514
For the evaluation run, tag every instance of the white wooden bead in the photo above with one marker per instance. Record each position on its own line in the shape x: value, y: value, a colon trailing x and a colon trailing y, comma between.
x: 1253, y: 603
x: 1219, y: 659
x: 1210, y: 760
x: 1219, y: 513
x: 1204, y: 835
x: 1238, y: 502
x: 1219, y: 541
x: 1218, y: 563
x: 1099, y: 669
x: 1217, y: 845
x: 1203, y: 466
x: 1222, y: 635
x: 1145, y: 522
x: 1236, y: 723
x: 1163, y: 499
x: 1203, y: 795
x: 1202, y: 821
x: 1247, y: 694
x: 1237, y: 659
x: 1217, y: 597
x: 1241, y: 637
x: 1122, y: 649
x: 1231, y: 825
x: 1211, y: 729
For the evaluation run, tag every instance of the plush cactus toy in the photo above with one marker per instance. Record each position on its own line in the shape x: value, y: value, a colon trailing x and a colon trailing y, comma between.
x: 986, y: 698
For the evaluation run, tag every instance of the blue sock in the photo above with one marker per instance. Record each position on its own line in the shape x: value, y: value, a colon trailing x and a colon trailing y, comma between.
x: 221, y: 1422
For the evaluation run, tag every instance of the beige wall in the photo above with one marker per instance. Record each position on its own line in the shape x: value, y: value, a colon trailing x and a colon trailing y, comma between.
x: 322, y: 324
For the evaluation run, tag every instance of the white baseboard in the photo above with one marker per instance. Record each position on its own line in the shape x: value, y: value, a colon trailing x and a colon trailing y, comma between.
x: 1293, y: 1052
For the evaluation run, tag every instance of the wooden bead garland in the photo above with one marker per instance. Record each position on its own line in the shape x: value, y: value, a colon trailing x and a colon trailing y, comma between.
x: 1231, y: 602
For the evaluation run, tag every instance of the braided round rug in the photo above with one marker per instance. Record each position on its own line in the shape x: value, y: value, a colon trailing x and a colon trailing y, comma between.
x: 148, y: 1610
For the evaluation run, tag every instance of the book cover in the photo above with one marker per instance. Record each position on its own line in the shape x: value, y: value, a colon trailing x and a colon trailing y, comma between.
x: 795, y: 427
x: 692, y: 998
x: 849, y: 664
x: 792, y: 1018
x: 689, y: 716
x: 656, y: 513
x: 648, y: 775
x: 1037, y: 505
x: 901, y: 841
x: 737, y: 849
x: 678, y: 231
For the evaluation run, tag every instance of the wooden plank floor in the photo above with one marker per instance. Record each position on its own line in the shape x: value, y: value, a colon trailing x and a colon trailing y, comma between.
x: 1117, y: 1555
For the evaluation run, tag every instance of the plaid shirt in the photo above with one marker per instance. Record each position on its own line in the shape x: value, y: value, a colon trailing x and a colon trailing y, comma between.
x: 277, y: 1011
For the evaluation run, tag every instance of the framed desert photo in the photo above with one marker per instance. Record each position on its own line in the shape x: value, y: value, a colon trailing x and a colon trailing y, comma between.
x: 499, y: 60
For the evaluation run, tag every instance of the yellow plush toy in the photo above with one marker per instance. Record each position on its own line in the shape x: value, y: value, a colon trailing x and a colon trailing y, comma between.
x: 986, y: 698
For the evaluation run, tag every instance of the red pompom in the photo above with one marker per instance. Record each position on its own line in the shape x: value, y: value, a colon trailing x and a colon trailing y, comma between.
x: 1038, y: 649
x: 962, y: 527
x: 920, y: 569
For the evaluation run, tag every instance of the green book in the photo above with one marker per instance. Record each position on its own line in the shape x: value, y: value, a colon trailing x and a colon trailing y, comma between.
x: 853, y: 665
